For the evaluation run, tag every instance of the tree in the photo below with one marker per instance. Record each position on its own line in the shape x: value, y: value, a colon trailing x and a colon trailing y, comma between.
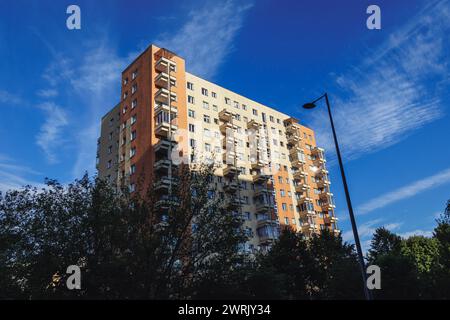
x: 127, y: 245
x: 383, y: 242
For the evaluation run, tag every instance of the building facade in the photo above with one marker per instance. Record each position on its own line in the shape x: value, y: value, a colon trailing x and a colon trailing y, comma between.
x: 168, y: 116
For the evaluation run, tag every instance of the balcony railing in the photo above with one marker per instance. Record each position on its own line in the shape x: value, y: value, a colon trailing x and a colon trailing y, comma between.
x: 163, y: 64
x: 225, y: 115
x: 162, y: 96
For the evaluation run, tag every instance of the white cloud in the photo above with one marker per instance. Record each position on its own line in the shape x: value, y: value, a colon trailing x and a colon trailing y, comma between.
x: 9, y: 98
x: 418, y: 232
x: 366, y: 229
x: 12, y: 174
x: 405, y: 192
x: 49, y: 138
x: 206, y: 38
x: 47, y: 93
x: 396, y: 90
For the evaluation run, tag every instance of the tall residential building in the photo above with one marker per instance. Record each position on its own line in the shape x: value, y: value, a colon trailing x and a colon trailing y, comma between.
x: 167, y: 115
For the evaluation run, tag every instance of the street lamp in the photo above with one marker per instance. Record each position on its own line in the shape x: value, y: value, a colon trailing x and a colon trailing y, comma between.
x: 312, y: 105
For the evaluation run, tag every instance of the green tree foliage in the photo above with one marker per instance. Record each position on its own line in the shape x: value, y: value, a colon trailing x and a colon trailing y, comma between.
x: 125, y: 247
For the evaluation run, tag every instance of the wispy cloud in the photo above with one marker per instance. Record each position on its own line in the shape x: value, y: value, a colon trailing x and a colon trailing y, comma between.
x: 405, y: 192
x: 49, y: 138
x: 206, y: 38
x: 47, y: 93
x: 14, y: 175
x: 9, y: 98
x: 396, y: 90
x: 418, y: 232
x: 368, y: 228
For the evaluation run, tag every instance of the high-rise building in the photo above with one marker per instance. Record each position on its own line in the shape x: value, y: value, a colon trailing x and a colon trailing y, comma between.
x: 167, y: 115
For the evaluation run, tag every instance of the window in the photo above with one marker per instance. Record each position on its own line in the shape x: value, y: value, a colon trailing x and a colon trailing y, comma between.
x: 207, y: 147
x: 192, y: 143
x: 110, y: 136
x: 125, y: 81
x: 132, y: 152
x: 255, y: 112
x: 132, y: 169
x: 190, y: 86
x: 125, y: 95
x: 286, y: 220
x: 191, y: 113
x: 133, y: 135
x: 214, y: 107
x: 191, y: 127
x: 205, y: 92
x: 134, y: 75
x: 134, y: 88
x: 244, y: 107
x: 206, y: 132
x: 271, y: 118
x: 132, y: 187
x: 206, y: 118
x: 109, y: 164
x: 213, y: 94
x: 110, y: 149
x: 134, y: 104
x: 282, y: 193
x: 205, y: 105
x: 191, y: 99
x: 236, y: 104
x: 227, y: 101
x: 263, y: 117
x: 133, y: 119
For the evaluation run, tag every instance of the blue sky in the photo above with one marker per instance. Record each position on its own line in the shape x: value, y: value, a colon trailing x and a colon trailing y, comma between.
x: 388, y: 88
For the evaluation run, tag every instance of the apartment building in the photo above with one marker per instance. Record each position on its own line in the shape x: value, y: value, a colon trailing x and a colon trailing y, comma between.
x: 168, y: 116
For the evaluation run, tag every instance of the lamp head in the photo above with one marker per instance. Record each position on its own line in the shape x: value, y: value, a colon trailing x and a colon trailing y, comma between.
x: 309, y: 105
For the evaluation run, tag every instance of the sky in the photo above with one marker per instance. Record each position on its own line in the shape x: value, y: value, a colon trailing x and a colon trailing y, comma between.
x: 388, y: 88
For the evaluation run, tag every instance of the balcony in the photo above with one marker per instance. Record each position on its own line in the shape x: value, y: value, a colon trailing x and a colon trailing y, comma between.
x: 164, y: 107
x: 265, y: 220
x: 163, y: 80
x: 230, y: 187
x: 299, y: 174
x: 293, y: 139
x: 166, y: 202
x: 228, y: 142
x: 253, y: 125
x: 323, y: 183
x: 162, y: 165
x: 257, y: 164
x: 163, y: 129
x: 225, y: 115
x: 260, y: 178
x: 229, y: 157
x: 163, y: 184
x: 162, y: 96
x: 260, y: 191
x: 307, y: 228
x: 163, y: 64
x: 263, y: 206
x: 267, y: 233
x: 327, y: 206
x: 227, y: 127
x: 230, y: 171
x: 320, y: 171
x: 163, y: 146
x: 293, y: 130
x: 301, y: 187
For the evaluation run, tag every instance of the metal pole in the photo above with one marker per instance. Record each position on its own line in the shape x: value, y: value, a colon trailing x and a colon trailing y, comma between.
x: 350, y: 207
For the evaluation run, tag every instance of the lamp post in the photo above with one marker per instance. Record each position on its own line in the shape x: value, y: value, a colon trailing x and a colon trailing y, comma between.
x: 312, y: 105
